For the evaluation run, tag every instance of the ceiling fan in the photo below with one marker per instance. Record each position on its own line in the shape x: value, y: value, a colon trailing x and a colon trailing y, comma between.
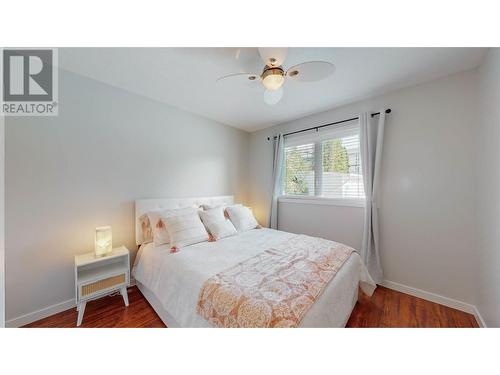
x: 273, y: 74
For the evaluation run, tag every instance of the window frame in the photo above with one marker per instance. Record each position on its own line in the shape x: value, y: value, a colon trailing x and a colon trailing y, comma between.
x: 317, y: 138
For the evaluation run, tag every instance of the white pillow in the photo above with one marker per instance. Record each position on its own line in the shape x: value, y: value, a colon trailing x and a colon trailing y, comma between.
x: 242, y: 218
x: 208, y: 207
x: 185, y: 230
x: 160, y: 233
x: 216, y: 223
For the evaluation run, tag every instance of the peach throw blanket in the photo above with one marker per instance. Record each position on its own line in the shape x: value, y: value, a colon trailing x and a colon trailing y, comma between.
x: 275, y: 288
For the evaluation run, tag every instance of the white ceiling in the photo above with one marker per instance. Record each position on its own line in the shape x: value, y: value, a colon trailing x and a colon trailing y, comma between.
x: 185, y: 77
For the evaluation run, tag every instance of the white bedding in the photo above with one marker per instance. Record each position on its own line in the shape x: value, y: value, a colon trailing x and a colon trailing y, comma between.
x: 176, y: 279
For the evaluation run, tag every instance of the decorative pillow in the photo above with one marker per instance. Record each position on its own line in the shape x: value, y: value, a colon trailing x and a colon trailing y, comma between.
x: 160, y: 233
x: 217, y: 224
x: 147, y: 231
x: 185, y: 230
x: 242, y: 218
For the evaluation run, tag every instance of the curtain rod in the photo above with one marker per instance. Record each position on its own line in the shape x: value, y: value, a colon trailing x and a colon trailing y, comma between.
x: 332, y: 123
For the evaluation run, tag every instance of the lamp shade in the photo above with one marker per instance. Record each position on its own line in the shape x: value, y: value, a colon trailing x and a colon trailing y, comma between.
x: 103, y: 241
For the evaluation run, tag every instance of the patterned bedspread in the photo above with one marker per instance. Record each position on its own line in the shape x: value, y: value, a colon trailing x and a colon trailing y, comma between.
x: 274, y: 288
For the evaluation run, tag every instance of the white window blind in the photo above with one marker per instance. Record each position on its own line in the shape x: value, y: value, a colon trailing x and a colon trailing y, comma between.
x: 325, y: 164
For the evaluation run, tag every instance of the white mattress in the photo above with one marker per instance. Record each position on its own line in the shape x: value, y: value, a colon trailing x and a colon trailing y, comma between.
x: 176, y: 279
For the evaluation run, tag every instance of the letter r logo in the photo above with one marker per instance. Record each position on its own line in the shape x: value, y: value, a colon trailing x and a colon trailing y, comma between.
x: 27, y: 75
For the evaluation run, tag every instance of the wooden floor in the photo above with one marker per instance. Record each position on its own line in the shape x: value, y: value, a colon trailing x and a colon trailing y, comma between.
x: 386, y: 308
x: 109, y: 312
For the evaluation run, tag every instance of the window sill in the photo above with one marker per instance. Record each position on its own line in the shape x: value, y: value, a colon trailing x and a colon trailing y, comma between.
x: 322, y: 201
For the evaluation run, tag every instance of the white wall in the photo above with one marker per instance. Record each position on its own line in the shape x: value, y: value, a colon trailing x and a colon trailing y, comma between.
x: 427, y: 235
x: 488, y: 189
x: 341, y: 224
x: 66, y: 175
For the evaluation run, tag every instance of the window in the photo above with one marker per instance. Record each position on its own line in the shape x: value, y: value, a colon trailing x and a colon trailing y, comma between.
x: 325, y: 164
x: 299, y: 169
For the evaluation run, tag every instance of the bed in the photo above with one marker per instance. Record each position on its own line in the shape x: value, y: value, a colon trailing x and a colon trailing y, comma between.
x: 172, y: 282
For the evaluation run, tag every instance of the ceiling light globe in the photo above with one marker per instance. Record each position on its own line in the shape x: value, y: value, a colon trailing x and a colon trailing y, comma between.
x: 273, y: 78
x: 273, y: 82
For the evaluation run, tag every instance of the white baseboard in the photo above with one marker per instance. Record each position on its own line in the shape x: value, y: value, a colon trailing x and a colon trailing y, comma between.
x: 433, y: 297
x: 45, y: 312
x: 429, y: 296
x: 40, y: 314
x: 479, y: 318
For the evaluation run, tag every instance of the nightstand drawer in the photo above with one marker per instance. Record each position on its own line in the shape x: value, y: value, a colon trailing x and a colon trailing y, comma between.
x: 102, y: 285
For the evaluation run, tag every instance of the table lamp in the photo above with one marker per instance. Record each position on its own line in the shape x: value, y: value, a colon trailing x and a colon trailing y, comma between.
x: 103, y: 241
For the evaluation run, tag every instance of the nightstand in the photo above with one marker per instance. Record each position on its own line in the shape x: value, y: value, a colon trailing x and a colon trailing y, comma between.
x: 98, y: 277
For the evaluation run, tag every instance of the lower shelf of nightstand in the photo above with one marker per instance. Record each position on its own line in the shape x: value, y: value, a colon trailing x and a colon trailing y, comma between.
x: 96, y: 273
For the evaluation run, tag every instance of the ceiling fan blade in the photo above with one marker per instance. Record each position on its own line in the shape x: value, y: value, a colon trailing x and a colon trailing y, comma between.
x: 310, y: 71
x: 242, y: 77
x: 273, y: 97
x: 273, y: 56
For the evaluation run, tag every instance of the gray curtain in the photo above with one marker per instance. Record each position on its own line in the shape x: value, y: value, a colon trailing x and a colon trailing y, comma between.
x: 279, y: 157
x: 371, y: 140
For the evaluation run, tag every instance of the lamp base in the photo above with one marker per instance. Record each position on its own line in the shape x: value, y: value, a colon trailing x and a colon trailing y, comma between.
x: 103, y: 254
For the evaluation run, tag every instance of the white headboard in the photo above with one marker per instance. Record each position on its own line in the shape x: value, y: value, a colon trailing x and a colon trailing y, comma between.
x: 145, y: 205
